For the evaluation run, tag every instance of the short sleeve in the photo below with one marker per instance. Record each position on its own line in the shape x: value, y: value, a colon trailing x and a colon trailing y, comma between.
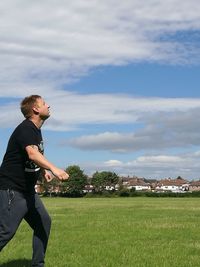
x: 27, y: 136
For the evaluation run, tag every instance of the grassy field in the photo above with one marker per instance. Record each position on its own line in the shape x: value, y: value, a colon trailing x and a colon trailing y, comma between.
x: 112, y: 232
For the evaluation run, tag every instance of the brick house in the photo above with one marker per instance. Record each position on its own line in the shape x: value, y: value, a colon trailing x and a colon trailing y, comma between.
x: 194, y: 186
x: 138, y: 183
x: 172, y: 185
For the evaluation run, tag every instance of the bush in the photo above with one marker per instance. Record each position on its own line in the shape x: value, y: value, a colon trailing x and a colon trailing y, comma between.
x: 124, y: 193
x: 107, y: 193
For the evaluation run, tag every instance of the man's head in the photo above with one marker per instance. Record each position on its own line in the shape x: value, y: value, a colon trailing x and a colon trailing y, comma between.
x: 34, y: 105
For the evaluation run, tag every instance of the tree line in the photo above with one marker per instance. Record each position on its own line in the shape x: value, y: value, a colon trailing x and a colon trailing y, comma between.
x: 75, y: 185
x: 103, y: 184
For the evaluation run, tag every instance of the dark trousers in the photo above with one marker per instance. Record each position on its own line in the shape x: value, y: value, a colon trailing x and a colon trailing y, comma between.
x: 14, y: 207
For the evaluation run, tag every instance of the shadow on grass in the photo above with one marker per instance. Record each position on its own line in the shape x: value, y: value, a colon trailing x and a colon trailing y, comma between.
x: 17, y: 263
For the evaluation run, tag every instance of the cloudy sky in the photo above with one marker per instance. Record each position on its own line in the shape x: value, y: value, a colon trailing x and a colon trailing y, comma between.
x: 122, y: 79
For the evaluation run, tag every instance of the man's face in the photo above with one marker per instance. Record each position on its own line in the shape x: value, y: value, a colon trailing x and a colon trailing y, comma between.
x: 42, y: 108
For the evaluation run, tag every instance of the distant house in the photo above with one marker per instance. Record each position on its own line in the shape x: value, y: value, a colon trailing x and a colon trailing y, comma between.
x: 172, y: 185
x: 138, y: 183
x: 194, y: 186
x: 39, y: 188
x: 125, y: 180
x: 88, y: 188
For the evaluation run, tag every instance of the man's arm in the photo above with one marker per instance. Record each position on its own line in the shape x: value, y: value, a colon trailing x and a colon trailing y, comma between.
x: 40, y: 160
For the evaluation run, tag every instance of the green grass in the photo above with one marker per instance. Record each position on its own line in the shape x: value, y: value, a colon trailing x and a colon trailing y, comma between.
x: 115, y: 232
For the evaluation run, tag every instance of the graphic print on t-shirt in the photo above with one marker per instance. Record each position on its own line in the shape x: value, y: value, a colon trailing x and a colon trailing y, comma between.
x: 31, y: 166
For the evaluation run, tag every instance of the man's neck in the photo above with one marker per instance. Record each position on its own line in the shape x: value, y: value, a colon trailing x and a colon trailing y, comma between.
x: 38, y: 122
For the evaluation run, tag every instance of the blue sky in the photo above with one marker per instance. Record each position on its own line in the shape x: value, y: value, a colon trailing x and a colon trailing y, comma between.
x: 122, y: 81
x: 150, y: 79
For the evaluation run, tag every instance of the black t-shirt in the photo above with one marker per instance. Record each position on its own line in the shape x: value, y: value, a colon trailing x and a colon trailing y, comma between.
x: 17, y: 171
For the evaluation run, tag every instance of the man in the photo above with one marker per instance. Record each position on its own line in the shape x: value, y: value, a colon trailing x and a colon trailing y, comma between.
x: 22, y: 165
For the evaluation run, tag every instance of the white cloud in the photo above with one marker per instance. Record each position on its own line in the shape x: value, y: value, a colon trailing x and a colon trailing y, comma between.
x: 113, y: 163
x: 152, y: 166
x: 72, y: 110
x: 164, y: 127
x: 57, y: 41
x: 46, y: 44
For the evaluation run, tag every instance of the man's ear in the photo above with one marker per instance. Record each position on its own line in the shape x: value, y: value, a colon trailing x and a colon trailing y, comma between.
x: 35, y: 110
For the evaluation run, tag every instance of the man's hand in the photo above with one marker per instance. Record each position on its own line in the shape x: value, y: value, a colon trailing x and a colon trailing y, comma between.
x: 60, y: 174
x: 48, y: 176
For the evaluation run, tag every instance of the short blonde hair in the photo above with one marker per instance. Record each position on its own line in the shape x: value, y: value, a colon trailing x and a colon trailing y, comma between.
x: 27, y: 105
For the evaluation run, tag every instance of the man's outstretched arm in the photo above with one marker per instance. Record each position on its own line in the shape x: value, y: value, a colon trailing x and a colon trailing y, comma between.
x: 40, y: 160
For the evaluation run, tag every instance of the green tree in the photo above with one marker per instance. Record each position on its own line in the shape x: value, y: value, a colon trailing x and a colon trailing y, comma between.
x: 100, y: 180
x: 75, y: 185
x: 111, y: 179
x: 97, y: 181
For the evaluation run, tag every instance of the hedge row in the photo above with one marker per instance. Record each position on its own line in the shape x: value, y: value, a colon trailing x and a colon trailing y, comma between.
x: 128, y: 193
x: 124, y: 193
